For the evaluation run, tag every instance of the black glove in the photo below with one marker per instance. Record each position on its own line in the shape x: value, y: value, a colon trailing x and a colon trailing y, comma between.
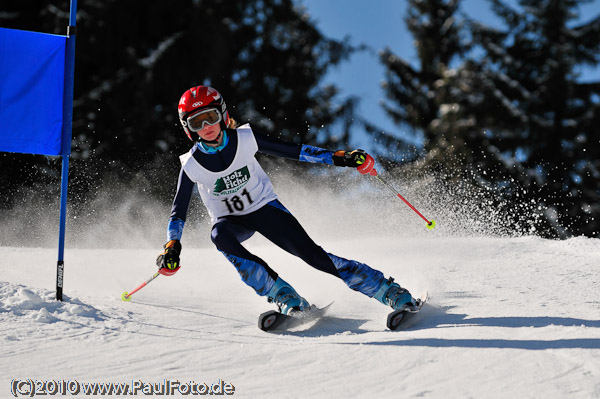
x: 168, y: 261
x: 352, y: 159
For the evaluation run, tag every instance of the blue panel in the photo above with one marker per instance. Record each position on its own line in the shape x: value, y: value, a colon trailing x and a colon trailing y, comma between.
x: 313, y: 154
x: 252, y: 273
x: 32, y: 75
x: 358, y: 276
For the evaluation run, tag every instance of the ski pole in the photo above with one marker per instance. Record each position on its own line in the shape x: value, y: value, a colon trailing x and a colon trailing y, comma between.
x: 367, y: 168
x: 126, y: 296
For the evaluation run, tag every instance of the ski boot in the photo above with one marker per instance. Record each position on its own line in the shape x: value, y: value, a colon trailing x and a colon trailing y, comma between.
x: 395, y: 296
x: 286, y: 298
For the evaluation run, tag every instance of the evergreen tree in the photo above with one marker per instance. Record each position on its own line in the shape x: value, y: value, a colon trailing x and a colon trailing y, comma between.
x: 544, y: 125
x: 412, y: 91
x: 135, y: 58
x: 513, y: 120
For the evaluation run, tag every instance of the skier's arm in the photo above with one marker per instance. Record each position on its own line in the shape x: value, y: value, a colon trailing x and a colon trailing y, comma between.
x: 279, y: 148
x: 299, y: 152
x: 168, y: 261
x: 181, y: 203
x: 308, y: 153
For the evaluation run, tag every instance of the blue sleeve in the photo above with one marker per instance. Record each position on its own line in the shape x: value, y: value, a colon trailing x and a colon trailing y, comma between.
x: 299, y: 152
x: 181, y: 203
x: 313, y: 154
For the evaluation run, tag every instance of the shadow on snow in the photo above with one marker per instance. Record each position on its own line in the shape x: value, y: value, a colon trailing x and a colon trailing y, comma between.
x: 433, y: 317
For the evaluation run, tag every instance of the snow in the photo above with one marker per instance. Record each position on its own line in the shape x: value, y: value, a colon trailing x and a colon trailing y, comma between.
x: 507, y: 316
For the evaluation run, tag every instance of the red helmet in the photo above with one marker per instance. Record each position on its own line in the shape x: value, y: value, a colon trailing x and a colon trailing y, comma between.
x: 201, y: 97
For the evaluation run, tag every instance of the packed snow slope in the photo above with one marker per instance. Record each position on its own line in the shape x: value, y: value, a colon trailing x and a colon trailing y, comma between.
x: 508, y: 316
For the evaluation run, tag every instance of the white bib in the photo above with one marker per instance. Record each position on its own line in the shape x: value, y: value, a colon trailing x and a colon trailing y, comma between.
x: 238, y: 190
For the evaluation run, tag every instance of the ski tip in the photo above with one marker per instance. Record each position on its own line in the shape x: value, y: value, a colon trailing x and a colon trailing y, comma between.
x: 400, y: 319
x: 269, y: 320
x: 274, y: 320
x: 395, y: 319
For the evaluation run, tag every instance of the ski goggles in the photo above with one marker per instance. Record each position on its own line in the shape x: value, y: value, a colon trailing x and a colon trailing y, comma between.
x: 201, y: 119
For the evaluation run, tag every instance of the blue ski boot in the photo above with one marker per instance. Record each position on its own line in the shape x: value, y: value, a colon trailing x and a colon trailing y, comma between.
x: 393, y: 295
x: 286, y: 298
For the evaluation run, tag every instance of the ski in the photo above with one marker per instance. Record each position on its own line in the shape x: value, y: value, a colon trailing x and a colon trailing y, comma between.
x: 274, y: 320
x: 400, y: 319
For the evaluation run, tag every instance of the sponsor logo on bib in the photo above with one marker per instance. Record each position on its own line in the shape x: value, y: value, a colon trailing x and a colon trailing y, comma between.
x: 232, y: 183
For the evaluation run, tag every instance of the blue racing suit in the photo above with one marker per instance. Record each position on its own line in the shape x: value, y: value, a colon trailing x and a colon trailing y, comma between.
x: 272, y: 220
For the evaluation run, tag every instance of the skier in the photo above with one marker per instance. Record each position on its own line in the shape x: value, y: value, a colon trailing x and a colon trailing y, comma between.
x: 240, y: 200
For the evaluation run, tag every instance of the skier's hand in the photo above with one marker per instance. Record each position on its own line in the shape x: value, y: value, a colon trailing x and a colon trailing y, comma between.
x: 168, y: 261
x: 352, y: 159
x: 358, y: 159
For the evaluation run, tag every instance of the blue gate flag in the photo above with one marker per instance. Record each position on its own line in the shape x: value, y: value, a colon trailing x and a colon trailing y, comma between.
x: 32, y: 77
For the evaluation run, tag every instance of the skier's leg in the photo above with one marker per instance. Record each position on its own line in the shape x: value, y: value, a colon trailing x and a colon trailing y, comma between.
x: 279, y: 226
x: 228, y: 236
x: 358, y: 276
x: 254, y: 271
x: 372, y: 283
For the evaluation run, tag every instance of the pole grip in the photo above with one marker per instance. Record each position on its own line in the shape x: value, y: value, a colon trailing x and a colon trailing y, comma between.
x: 368, y: 167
